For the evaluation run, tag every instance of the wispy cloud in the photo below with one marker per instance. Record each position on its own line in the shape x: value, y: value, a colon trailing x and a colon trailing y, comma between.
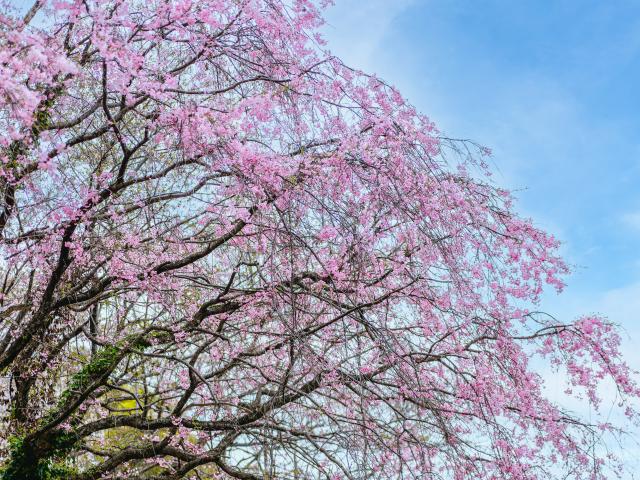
x: 356, y: 29
x: 631, y: 220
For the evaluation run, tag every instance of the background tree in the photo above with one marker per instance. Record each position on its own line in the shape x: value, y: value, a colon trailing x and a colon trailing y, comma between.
x: 227, y: 255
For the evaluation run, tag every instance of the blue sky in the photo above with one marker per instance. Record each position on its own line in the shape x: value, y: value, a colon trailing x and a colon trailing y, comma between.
x: 552, y: 87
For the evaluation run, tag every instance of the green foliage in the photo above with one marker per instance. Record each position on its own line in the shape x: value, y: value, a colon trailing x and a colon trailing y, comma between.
x: 42, y: 116
x: 46, y: 460
x: 25, y: 464
x: 101, y: 363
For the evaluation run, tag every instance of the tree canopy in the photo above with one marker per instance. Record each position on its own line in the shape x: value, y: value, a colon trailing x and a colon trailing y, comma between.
x: 227, y: 255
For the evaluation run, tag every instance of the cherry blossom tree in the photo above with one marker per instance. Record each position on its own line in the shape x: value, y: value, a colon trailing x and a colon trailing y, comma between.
x: 227, y: 255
